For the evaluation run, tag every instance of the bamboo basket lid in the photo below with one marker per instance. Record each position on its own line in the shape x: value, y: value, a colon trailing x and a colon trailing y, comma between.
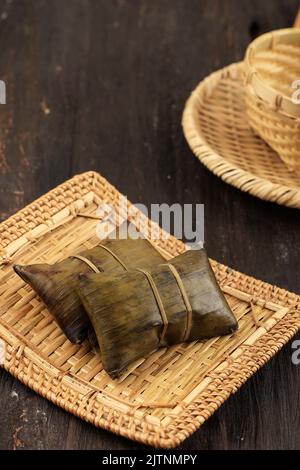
x: 217, y: 130
x: 272, y: 65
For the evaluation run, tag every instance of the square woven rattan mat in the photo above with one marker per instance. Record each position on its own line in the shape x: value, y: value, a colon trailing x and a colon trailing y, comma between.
x: 163, y: 399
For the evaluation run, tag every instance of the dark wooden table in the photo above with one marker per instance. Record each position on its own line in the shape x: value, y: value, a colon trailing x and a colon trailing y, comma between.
x: 101, y: 85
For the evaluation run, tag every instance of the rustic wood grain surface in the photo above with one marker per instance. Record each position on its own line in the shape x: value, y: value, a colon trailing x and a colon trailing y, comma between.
x: 101, y: 85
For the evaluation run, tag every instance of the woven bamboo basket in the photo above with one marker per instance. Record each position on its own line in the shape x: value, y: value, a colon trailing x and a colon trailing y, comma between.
x: 217, y: 130
x: 272, y: 68
x: 163, y: 398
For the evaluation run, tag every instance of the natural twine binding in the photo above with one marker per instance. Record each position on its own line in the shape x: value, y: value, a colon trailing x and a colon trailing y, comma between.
x: 88, y: 263
x: 93, y: 266
x: 198, y: 376
x: 159, y: 304
x: 189, y: 310
x: 114, y: 256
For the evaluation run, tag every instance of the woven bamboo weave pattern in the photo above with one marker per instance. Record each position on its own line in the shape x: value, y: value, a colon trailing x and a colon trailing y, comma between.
x: 217, y: 130
x: 279, y: 67
x: 272, y: 66
x: 162, y: 399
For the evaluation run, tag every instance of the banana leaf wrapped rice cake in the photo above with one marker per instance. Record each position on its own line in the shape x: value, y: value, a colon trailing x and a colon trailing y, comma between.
x: 139, y: 311
x: 57, y: 284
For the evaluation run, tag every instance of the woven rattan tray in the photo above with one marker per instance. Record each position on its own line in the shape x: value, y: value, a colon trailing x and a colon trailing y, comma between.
x: 216, y: 127
x: 166, y: 397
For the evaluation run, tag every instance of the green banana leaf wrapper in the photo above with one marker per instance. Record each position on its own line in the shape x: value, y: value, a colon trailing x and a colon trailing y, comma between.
x: 127, y: 319
x: 57, y: 284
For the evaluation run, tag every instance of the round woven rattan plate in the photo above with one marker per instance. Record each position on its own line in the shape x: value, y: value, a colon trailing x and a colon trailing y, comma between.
x: 216, y: 128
